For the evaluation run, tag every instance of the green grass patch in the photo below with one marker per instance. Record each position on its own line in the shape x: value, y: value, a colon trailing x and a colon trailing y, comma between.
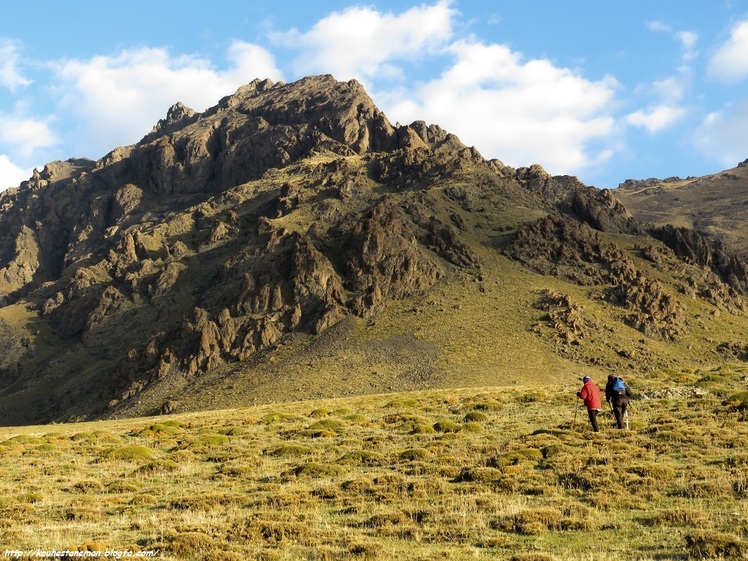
x: 135, y: 452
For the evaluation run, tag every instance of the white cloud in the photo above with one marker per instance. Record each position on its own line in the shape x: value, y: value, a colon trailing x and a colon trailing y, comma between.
x: 687, y: 39
x: 657, y: 118
x: 665, y: 111
x: 250, y: 62
x: 363, y: 43
x: 673, y: 88
x: 25, y: 135
x: 117, y: 99
x: 10, y: 76
x: 520, y: 112
x: 656, y: 25
x: 722, y: 134
x: 730, y: 62
x: 11, y: 175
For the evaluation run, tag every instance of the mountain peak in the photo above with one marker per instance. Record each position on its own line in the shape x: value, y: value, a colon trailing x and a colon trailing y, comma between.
x: 177, y: 117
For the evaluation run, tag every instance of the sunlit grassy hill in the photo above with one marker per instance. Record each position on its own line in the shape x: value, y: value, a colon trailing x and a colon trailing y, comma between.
x: 482, y: 473
x: 715, y: 204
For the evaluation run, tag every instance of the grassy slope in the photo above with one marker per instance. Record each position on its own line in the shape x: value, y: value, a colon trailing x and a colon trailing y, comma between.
x: 714, y: 204
x: 438, y: 474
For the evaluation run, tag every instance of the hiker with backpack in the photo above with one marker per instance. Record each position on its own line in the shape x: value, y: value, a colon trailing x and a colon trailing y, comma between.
x: 590, y: 393
x: 618, y: 394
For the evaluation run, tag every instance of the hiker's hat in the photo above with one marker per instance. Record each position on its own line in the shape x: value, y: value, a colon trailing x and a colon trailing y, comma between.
x: 586, y: 379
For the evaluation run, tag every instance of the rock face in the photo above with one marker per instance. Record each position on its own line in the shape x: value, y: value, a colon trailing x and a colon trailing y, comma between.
x: 697, y: 248
x: 280, y: 214
x: 597, y: 208
x: 574, y: 252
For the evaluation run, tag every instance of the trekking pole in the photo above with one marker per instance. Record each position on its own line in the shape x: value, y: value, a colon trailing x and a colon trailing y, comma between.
x: 628, y: 407
x: 574, y: 424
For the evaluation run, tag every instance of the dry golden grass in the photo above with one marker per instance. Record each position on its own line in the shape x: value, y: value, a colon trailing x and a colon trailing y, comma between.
x: 453, y: 474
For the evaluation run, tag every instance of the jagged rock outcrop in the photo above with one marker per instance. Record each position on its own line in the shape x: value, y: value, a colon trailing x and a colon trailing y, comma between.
x: 695, y: 247
x: 178, y: 116
x: 734, y: 351
x: 574, y: 252
x: 566, y: 249
x: 597, y: 208
x: 565, y: 316
x: 383, y: 260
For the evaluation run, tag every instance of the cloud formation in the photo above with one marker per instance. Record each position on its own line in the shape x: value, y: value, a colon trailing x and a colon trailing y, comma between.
x: 665, y: 108
x: 514, y: 109
x: 117, y: 99
x: 11, y: 76
x: 657, y: 118
x: 730, y: 62
x: 722, y: 134
x: 25, y: 135
x: 10, y: 174
x: 363, y: 43
x: 485, y: 93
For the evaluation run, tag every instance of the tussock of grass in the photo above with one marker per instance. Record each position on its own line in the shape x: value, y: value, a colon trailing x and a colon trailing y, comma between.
x: 131, y: 453
x: 279, y: 417
x: 475, y: 416
x: 205, y: 501
x: 447, y: 425
x: 707, y: 544
x: 88, y: 486
x: 685, y: 517
x: 291, y: 450
x: 161, y: 429
x: 158, y: 466
x: 119, y: 486
x: 414, y: 454
x: 363, y: 458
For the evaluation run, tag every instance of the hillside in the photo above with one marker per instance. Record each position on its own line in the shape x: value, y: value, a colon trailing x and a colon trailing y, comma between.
x: 290, y: 243
x: 715, y: 205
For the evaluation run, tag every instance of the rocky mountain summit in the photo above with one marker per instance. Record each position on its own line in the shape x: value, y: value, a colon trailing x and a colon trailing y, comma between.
x: 290, y: 242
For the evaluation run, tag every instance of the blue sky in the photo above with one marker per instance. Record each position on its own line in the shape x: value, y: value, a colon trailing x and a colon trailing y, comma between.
x: 604, y: 90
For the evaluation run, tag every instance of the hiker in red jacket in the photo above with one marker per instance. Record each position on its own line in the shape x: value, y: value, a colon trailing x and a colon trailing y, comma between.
x: 590, y: 393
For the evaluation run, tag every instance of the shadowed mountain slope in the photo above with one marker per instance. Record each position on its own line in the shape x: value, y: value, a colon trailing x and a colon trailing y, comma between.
x: 290, y: 243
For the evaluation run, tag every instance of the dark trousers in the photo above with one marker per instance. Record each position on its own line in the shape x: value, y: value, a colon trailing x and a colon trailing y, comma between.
x: 593, y: 417
x: 620, y: 405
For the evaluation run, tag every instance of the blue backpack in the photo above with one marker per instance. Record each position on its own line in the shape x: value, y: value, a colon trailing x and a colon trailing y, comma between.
x: 619, y: 387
